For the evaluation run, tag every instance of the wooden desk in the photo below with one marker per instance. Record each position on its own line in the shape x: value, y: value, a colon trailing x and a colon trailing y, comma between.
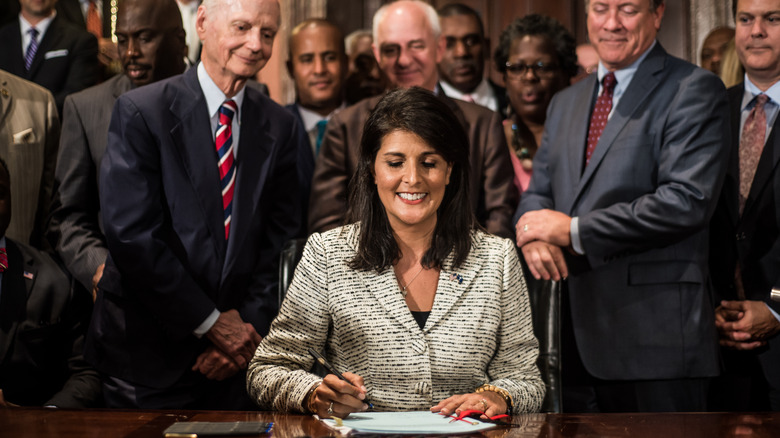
x: 37, y: 423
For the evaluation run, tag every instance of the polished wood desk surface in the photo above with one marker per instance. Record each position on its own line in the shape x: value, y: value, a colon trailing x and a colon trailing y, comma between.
x: 40, y: 422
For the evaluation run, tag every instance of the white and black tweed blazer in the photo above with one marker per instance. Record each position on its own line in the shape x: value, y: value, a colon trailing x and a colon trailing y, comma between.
x: 479, y: 330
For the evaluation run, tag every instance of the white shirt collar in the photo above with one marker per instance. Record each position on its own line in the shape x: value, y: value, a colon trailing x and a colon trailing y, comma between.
x: 310, y: 118
x: 42, y: 26
x: 214, y: 95
x: 483, y: 94
x: 751, y: 91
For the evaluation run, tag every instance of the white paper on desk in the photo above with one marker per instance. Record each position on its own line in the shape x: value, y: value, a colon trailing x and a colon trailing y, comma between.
x: 416, y: 422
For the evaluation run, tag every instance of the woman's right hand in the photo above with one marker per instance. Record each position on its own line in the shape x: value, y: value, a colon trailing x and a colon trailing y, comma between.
x: 337, y: 398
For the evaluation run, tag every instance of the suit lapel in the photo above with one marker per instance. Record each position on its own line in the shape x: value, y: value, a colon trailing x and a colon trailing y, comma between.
x: 13, y: 298
x: 766, y: 166
x: 453, y: 284
x: 15, y: 43
x: 642, y: 84
x: 730, y: 190
x: 50, y: 38
x: 578, y: 130
x: 192, y: 137
x: 6, y: 100
x: 253, y: 165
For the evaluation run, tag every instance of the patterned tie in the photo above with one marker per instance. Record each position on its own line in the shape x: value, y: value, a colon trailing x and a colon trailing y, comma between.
x: 227, y: 167
x: 321, y: 125
x: 94, y: 24
x: 31, y: 49
x: 3, y: 260
x: 598, y: 120
x: 751, y: 144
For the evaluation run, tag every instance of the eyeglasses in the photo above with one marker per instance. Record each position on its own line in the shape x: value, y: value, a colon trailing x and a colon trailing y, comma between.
x: 540, y: 69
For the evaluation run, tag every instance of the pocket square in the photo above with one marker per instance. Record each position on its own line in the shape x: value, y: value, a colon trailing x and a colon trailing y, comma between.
x: 56, y: 54
x: 24, y: 137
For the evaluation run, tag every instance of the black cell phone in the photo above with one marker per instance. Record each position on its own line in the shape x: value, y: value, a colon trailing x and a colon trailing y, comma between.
x: 195, y: 429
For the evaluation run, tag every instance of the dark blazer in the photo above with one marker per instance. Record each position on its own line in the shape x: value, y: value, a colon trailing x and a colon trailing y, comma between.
x: 43, y: 320
x: 74, y: 227
x: 306, y: 159
x: 66, y: 60
x: 640, y: 296
x: 71, y: 11
x: 752, y: 240
x: 493, y: 194
x: 169, y: 265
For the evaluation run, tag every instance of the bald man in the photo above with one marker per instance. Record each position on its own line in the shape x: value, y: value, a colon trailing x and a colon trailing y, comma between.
x: 407, y: 46
x: 151, y: 47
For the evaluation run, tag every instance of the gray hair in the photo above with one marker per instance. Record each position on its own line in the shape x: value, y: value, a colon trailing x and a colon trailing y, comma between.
x: 427, y: 9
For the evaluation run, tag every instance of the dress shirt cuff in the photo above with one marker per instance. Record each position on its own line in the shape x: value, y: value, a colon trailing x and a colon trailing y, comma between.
x: 206, y: 325
x: 775, y: 314
x: 574, y: 234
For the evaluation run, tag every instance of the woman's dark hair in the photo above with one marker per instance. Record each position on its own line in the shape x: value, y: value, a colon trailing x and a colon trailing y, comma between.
x: 418, y: 111
x: 543, y: 26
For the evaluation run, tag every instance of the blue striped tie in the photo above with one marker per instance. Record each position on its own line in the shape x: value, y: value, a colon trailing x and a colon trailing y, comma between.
x: 31, y: 49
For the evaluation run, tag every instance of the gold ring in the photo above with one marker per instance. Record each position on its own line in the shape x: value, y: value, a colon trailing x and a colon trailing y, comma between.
x: 484, y: 404
x: 330, y: 409
x: 525, y: 228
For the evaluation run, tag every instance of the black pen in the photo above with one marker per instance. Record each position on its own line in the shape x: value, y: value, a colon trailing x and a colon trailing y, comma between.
x: 331, y: 369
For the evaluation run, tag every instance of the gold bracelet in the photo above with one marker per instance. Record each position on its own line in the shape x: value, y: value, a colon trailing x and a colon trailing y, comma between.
x: 500, y: 391
x: 309, y: 400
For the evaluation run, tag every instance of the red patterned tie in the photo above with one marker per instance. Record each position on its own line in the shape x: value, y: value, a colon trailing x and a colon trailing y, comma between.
x: 3, y: 260
x: 751, y: 144
x: 227, y: 167
x: 598, y: 120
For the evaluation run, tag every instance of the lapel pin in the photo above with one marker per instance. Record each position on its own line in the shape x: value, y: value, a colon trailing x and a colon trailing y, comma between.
x: 456, y: 277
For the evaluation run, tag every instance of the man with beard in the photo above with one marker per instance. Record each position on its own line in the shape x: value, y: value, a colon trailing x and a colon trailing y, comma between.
x: 462, y: 65
x: 151, y: 46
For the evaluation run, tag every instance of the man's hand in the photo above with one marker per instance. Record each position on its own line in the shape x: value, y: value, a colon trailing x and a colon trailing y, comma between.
x: 545, y: 261
x: 96, y: 279
x: 546, y: 225
x: 215, y: 364
x: 745, y: 325
x: 234, y: 337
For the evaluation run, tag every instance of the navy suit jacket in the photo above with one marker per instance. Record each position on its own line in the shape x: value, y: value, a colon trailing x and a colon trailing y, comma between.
x: 752, y: 239
x: 640, y: 296
x: 66, y: 60
x: 169, y: 265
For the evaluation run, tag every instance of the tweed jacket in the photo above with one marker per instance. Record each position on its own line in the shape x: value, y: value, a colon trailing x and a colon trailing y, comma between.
x: 479, y: 330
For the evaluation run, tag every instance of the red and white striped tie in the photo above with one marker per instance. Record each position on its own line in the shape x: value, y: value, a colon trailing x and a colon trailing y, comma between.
x: 227, y: 166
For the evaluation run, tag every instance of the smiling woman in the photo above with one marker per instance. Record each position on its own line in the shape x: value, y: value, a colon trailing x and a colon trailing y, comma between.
x: 424, y: 309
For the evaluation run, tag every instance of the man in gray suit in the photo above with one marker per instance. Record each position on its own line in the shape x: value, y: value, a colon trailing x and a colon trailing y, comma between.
x: 151, y: 47
x: 29, y: 134
x: 624, y: 184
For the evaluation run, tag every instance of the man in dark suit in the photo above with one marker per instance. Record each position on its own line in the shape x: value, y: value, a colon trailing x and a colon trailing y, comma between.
x: 43, y: 319
x: 151, y: 48
x: 407, y: 47
x: 93, y: 16
x: 44, y: 48
x: 624, y: 185
x: 745, y: 229
x: 462, y: 66
x: 194, y: 239
x: 318, y: 66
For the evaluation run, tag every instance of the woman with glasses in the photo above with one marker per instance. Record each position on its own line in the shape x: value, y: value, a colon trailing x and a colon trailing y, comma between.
x: 537, y: 57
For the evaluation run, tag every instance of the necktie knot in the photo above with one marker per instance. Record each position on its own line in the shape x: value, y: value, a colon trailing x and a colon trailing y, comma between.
x: 609, y: 83
x: 761, y: 100
x: 33, y: 33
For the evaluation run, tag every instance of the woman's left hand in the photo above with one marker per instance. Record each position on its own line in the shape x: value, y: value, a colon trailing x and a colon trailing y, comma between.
x: 488, y: 402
